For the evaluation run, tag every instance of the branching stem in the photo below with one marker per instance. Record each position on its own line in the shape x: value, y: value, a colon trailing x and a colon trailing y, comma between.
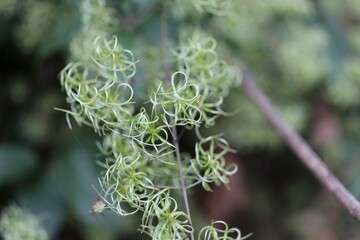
x: 182, y: 180
x: 166, y: 79
x: 307, y: 156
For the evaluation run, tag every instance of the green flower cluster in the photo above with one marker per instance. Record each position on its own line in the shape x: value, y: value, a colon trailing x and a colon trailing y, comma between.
x: 213, y: 77
x: 163, y: 220
x: 225, y: 233
x: 144, y: 165
x: 95, y: 91
x: 209, y: 164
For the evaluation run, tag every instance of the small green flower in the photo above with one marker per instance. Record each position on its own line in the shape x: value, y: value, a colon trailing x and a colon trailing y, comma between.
x: 209, y: 164
x: 219, y: 230
x: 162, y: 220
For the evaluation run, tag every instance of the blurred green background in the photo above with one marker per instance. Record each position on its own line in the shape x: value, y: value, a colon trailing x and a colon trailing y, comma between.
x: 304, y: 54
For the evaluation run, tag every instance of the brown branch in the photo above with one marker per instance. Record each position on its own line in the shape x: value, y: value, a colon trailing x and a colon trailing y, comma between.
x: 307, y: 156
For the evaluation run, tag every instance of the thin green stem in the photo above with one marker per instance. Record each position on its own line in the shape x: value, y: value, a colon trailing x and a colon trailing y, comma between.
x: 183, y: 188
x: 182, y: 180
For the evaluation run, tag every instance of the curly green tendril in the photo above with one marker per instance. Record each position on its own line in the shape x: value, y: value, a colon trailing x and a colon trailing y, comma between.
x: 139, y: 142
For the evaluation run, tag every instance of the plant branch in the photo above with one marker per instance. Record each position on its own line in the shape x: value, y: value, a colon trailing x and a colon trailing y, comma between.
x: 182, y: 180
x: 307, y: 156
x: 166, y: 78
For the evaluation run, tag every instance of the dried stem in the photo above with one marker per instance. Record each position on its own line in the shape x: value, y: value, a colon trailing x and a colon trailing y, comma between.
x: 307, y: 156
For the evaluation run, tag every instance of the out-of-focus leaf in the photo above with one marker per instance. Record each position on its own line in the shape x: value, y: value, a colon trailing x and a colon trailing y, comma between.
x: 77, y: 172
x: 151, y: 30
x: 18, y: 90
x: 16, y: 162
x: 44, y: 197
x: 4, y: 33
x: 60, y: 35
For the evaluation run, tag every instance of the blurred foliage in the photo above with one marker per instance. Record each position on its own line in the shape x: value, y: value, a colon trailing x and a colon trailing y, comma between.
x: 16, y: 162
x: 16, y: 223
x: 304, y: 54
x: 299, y: 55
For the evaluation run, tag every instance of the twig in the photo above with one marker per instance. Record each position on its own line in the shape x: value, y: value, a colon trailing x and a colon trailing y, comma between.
x: 182, y: 180
x: 307, y: 156
x: 166, y: 79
